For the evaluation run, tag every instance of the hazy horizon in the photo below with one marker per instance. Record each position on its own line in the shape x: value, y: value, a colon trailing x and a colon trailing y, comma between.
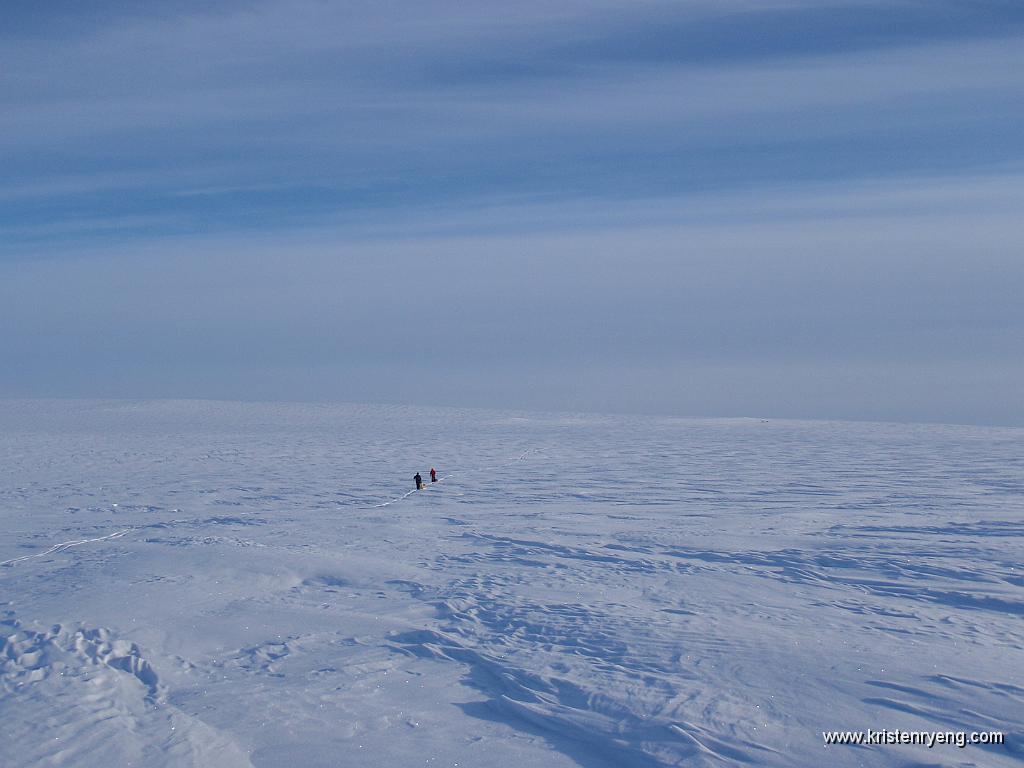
x: 526, y: 413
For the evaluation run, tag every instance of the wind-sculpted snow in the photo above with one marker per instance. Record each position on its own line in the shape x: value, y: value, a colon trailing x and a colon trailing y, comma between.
x: 217, y: 584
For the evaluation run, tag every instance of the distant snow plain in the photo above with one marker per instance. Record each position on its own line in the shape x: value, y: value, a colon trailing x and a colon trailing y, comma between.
x: 192, y: 583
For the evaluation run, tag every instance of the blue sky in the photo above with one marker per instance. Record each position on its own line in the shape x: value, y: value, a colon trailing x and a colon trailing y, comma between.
x: 702, y: 208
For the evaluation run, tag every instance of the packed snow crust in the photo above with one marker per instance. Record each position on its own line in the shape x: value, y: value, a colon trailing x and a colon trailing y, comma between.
x: 221, y: 584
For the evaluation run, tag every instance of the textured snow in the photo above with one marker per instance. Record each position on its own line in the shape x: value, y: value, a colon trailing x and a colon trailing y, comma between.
x: 219, y: 584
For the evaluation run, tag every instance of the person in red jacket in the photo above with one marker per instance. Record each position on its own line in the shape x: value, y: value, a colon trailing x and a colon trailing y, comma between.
x: 433, y: 475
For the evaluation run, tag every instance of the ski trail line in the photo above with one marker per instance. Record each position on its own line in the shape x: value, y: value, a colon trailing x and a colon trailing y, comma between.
x: 125, y: 531
x: 67, y: 545
x: 472, y: 470
x: 78, y: 542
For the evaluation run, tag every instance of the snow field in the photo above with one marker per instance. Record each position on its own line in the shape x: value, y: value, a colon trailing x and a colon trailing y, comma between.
x: 200, y: 583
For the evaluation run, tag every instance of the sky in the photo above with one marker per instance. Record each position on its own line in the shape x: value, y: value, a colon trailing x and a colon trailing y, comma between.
x: 774, y: 208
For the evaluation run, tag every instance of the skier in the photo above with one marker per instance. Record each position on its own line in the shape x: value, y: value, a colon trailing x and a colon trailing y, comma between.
x: 433, y: 475
x: 419, y: 481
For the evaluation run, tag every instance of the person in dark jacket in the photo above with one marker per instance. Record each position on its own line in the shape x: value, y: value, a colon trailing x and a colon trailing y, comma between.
x: 419, y: 481
x: 433, y: 475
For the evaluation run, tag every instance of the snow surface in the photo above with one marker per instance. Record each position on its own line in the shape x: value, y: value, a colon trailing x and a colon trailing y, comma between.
x: 219, y: 584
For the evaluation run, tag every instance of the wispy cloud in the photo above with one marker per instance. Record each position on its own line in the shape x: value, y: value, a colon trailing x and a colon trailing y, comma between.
x: 545, y: 186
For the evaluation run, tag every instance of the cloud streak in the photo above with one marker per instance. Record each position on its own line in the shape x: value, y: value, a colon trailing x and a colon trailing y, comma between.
x: 508, y: 198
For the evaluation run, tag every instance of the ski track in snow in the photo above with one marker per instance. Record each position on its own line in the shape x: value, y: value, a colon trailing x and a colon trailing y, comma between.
x: 426, y: 485
x: 67, y: 545
x: 118, y: 534
x: 642, y: 592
